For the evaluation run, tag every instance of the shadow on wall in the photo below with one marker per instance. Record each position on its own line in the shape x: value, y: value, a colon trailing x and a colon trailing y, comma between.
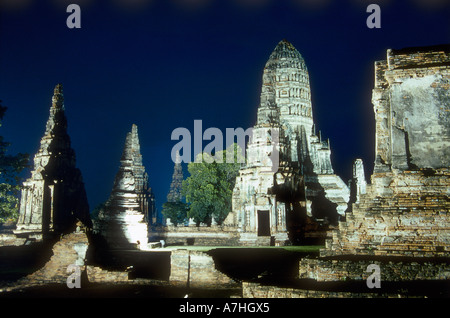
x: 303, y: 229
x: 253, y: 263
x: 139, y: 264
x: 19, y: 261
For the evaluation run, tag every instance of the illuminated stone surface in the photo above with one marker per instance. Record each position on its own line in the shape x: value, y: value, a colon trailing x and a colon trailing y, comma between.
x: 54, y: 197
x: 405, y: 210
x: 400, y: 221
x: 358, y: 183
x: 124, y: 220
x: 288, y: 175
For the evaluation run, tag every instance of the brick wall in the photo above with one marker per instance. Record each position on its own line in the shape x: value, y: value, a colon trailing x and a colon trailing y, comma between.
x: 195, y: 235
x: 413, y: 221
x: 99, y: 275
x: 255, y: 290
x: 196, y: 269
x: 69, y: 250
x: 343, y: 270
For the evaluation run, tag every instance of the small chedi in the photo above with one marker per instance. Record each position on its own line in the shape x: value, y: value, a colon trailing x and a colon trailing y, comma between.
x: 174, y: 194
x: 288, y: 179
x: 123, y: 222
x: 54, y: 197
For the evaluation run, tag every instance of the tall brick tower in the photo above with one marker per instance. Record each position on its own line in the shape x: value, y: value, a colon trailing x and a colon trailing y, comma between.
x: 54, y: 197
x: 288, y: 174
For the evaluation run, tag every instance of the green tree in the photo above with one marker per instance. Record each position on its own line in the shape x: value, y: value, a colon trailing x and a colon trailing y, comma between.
x: 10, y: 168
x: 176, y: 211
x: 95, y: 212
x: 209, y: 188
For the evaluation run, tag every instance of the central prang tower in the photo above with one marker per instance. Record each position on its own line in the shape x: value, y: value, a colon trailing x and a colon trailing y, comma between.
x: 288, y: 179
x: 285, y: 93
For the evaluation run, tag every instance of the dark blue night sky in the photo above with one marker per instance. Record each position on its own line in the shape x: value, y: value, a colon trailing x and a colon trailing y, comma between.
x: 162, y: 64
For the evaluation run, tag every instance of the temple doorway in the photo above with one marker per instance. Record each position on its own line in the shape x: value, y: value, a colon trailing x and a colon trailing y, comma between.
x: 263, y: 223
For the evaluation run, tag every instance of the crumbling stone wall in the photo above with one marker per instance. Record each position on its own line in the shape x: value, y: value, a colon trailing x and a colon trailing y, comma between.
x: 196, y: 269
x: 255, y: 290
x: 406, y: 210
x: 413, y: 221
x: 214, y: 235
x: 411, y: 101
x: 10, y: 239
x: 97, y: 274
x: 69, y: 250
x: 343, y: 270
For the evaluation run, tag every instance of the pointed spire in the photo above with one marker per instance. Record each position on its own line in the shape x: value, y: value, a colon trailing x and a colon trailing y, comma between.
x: 134, y: 131
x: 177, y: 180
x: 55, y: 169
x: 132, y: 149
x: 285, y: 49
x: 58, y: 97
x: 131, y: 205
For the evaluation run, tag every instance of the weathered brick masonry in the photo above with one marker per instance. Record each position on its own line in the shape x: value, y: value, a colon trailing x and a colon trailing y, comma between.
x: 405, y: 212
x: 413, y: 221
x: 196, y: 269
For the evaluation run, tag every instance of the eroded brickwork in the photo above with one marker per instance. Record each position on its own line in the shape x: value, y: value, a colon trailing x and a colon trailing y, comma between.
x: 54, y: 197
x: 411, y: 102
x: 69, y: 250
x: 323, y: 270
x: 406, y: 210
x: 196, y: 269
x: 412, y: 221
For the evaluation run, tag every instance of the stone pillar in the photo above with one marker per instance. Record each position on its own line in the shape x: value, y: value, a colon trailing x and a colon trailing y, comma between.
x: 359, y: 179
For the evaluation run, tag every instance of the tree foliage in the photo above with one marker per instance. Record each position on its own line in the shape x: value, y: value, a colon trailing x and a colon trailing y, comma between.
x: 176, y: 211
x: 209, y: 188
x: 96, y: 211
x: 10, y: 168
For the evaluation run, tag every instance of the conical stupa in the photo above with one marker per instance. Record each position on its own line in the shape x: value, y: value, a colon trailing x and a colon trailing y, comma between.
x: 54, y: 197
x: 124, y: 220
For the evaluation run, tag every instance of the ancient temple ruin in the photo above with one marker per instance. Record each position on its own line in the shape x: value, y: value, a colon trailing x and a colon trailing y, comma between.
x: 405, y: 210
x: 131, y: 206
x: 54, y: 197
x: 174, y: 194
x: 288, y: 178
